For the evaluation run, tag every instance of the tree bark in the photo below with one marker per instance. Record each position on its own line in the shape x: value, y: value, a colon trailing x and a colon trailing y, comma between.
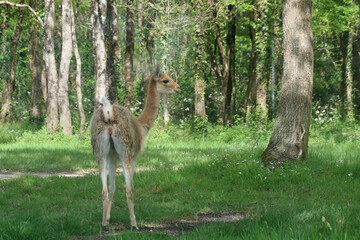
x: 230, y: 41
x: 356, y: 65
x: 166, y: 110
x: 78, y: 74
x: 349, y: 81
x: 224, y: 74
x: 9, y: 86
x: 140, y: 48
x: 3, y: 46
x: 113, y: 49
x: 35, y: 67
x: 261, y: 77
x: 251, y: 90
x: 66, y: 54
x: 4, y: 26
x: 98, y: 22
x: 199, y: 75
x: 344, y: 42
x: 290, y: 135
x: 129, y: 54
x: 50, y: 64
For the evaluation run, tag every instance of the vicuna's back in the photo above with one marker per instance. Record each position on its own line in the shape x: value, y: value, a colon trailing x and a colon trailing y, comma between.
x: 120, y: 126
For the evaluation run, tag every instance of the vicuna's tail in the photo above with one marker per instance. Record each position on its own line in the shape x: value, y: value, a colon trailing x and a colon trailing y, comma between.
x: 107, y: 109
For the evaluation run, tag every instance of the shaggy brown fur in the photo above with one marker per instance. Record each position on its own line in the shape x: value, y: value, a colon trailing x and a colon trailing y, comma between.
x: 120, y: 135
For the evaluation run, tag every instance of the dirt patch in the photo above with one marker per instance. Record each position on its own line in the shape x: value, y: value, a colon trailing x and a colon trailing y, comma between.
x: 173, y: 228
x: 5, y: 174
x: 178, y: 227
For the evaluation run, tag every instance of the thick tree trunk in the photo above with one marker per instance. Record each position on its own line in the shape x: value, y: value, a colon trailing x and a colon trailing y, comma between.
x: 129, y: 54
x: 3, y: 40
x: 50, y: 64
x: 3, y: 46
x: 78, y: 74
x: 261, y: 44
x: 35, y: 67
x: 98, y: 22
x: 356, y: 66
x: 66, y: 54
x: 9, y: 86
x: 113, y: 47
x: 289, y: 139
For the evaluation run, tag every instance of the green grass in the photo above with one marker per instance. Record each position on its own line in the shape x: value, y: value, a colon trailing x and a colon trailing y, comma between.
x: 314, y: 199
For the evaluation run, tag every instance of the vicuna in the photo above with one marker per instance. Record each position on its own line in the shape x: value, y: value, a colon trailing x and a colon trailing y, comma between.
x: 117, y: 134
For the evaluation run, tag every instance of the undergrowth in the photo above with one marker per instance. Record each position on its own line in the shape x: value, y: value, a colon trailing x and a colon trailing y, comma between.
x: 186, y: 174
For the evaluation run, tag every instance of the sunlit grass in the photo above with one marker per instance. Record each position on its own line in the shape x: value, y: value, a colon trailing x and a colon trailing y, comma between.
x: 313, y: 199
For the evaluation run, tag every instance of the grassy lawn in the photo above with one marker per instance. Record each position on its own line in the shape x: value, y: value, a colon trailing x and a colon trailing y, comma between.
x: 315, y: 199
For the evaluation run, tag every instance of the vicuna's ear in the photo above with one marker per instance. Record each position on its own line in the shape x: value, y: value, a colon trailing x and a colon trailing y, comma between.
x: 157, y: 72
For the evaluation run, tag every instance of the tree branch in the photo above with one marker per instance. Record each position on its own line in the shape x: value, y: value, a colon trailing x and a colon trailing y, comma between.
x: 24, y: 6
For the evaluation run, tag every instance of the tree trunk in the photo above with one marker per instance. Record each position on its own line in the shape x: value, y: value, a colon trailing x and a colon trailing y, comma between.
x: 140, y: 48
x: 98, y: 22
x: 66, y: 54
x: 3, y: 51
x: 129, y: 54
x: 261, y: 44
x: 224, y: 74
x: 166, y: 110
x: 50, y: 64
x: 344, y: 42
x: 200, y: 98
x: 9, y: 86
x: 230, y: 41
x: 261, y: 98
x: 349, y: 81
x: 35, y: 67
x: 251, y: 90
x: 289, y: 139
x: 356, y: 65
x: 78, y: 74
x: 199, y: 75
x: 113, y: 47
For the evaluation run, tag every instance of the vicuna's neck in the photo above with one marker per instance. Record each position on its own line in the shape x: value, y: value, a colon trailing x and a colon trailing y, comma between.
x: 148, y: 116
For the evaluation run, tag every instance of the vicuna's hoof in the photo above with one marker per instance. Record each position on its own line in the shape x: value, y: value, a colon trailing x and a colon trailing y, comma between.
x: 105, y: 224
x: 134, y: 228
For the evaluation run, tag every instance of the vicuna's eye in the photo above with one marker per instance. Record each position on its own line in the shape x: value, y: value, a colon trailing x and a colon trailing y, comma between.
x: 165, y: 81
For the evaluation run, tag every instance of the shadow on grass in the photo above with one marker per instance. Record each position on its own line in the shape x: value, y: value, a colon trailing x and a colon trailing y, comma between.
x: 45, y: 159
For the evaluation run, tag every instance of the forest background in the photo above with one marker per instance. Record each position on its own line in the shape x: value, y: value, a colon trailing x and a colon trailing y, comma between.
x: 204, y: 153
x: 226, y: 55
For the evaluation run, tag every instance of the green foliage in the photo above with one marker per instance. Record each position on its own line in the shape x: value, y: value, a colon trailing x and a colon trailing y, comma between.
x: 334, y: 16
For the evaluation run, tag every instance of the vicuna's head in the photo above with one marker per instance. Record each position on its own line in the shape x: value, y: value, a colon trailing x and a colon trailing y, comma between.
x: 164, y: 83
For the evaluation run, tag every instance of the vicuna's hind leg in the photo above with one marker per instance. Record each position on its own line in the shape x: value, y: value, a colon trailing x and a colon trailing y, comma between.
x: 112, y: 177
x: 103, y: 160
x: 105, y: 196
x: 129, y: 167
